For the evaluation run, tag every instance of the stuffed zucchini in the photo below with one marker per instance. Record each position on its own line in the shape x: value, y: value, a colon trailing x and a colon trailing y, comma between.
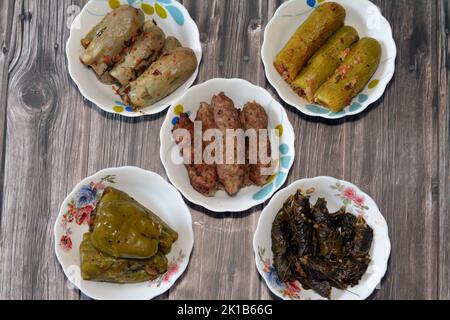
x: 324, y: 63
x: 308, y: 38
x: 351, y: 77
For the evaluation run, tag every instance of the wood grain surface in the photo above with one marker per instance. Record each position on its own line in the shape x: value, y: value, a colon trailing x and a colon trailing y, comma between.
x: 51, y: 137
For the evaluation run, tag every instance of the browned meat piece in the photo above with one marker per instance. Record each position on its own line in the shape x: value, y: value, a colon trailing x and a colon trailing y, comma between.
x: 253, y: 116
x: 203, y: 177
x: 226, y: 116
x: 205, y: 114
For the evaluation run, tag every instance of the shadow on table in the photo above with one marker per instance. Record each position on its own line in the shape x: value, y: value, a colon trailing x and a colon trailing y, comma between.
x: 374, y: 295
x: 225, y: 215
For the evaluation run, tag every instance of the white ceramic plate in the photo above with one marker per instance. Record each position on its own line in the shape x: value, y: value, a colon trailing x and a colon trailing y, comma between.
x: 364, y: 16
x: 170, y: 16
x: 240, y: 91
x: 150, y: 190
x: 337, y: 193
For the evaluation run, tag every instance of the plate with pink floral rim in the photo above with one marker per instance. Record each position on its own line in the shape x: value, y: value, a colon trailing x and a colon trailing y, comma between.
x: 365, y: 17
x: 170, y: 15
x: 152, y: 191
x: 241, y: 92
x: 337, y: 193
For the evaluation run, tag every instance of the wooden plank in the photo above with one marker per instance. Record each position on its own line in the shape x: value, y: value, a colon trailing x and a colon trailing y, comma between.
x: 392, y: 153
x: 46, y: 148
x: 443, y: 188
x: 6, y: 12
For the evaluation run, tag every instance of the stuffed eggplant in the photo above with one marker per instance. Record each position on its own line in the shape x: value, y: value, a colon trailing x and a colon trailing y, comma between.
x: 162, y: 78
x: 98, y: 266
x: 351, y: 77
x: 324, y: 63
x: 140, y: 55
x: 170, y: 44
x: 123, y: 228
x: 118, y: 29
x: 308, y: 38
x: 97, y: 30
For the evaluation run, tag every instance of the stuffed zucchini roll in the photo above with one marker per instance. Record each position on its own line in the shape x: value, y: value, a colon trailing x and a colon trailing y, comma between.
x: 140, y: 55
x: 123, y: 228
x: 309, y: 37
x: 98, y: 266
x: 118, y: 29
x: 162, y: 78
x: 351, y: 77
x: 324, y: 63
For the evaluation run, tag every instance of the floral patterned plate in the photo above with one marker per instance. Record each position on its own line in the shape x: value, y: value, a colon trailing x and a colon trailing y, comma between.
x: 337, y: 193
x: 240, y: 91
x: 154, y: 193
x: 170, y: 16
x: 367, y: 20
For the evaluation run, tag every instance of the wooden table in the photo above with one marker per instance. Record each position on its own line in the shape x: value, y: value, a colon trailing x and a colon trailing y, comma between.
x: 51, y: 137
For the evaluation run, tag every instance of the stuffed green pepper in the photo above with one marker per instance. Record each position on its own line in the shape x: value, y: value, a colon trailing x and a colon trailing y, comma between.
x: 308, y: 38
x: 123, y: 228
x: 351, y: 76
x: 324, y: 63
x: 98, y: 266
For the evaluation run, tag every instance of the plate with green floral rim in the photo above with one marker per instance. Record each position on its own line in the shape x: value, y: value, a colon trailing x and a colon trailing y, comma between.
x: 170, y: 15
x: 153, y: 192
x: 241, y: 92
x: 365, y: 17
x: 337, y: 193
